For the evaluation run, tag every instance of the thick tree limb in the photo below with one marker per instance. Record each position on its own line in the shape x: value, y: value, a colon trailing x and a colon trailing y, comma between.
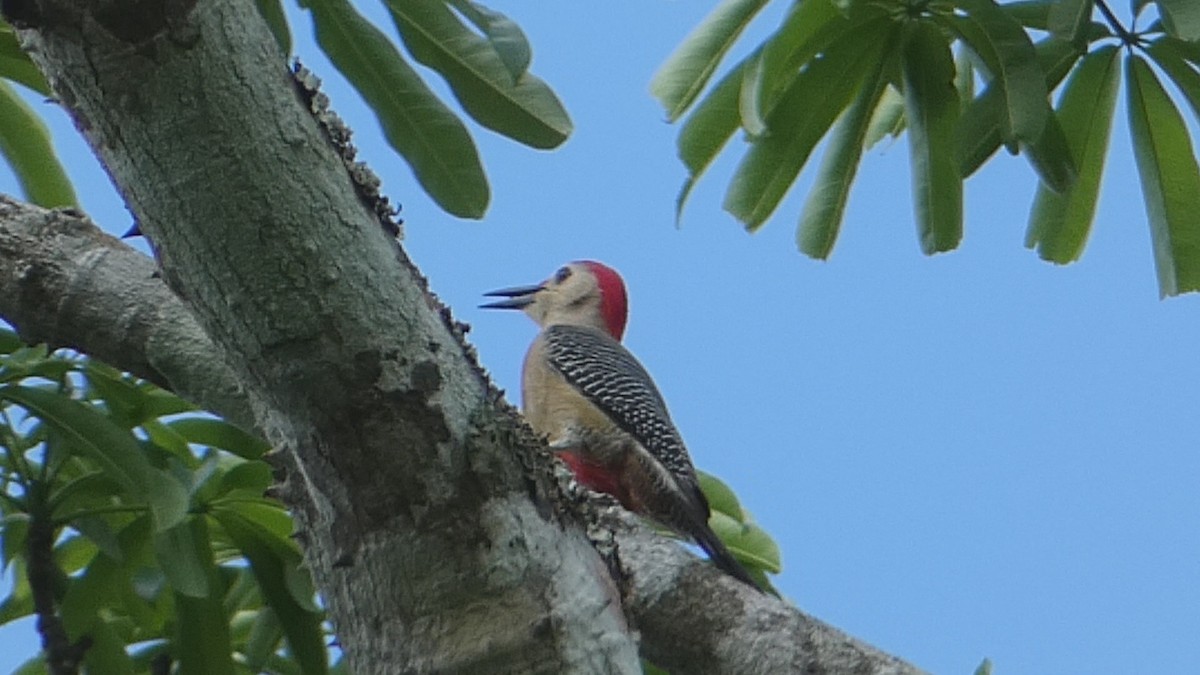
x: 691, y: 618
x: 690, y: 625
x: 69, y: 284
x: 432, y: 524
x: 433, y: 543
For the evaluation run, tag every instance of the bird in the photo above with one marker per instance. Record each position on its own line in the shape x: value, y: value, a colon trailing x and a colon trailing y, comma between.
x: 599, y: 409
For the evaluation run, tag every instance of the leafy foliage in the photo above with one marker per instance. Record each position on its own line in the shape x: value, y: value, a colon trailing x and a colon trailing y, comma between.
x: 751, y: 544
x: 844, y: 72
x: 25, y: 142
x: 160, y: 544
x: 852, y: 72
x: 482, y: 54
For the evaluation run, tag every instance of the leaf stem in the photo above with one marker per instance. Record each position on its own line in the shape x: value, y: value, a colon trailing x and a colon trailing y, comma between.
x: 1128, y: 39
x: 83, y: 513
x: 62, y: 657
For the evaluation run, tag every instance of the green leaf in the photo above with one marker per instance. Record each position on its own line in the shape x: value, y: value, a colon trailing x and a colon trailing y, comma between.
x: 107, y: 651
x: 887, y: 119
x: 272, y: 12
x: 15, y: 64
x: 216, y: 433
x: 1051, y: 157
x: 1182, y: 18
x: 202, y: 637
x: 809, y: 106
x: 168, y: 439
x: 253, y: 477
x: 281, y: 665
x: 9, y: 342
x: 101, y: 585
x: 1059, y: 223
x: 1167, y: 55
x: 720, y: 496
x: 273, y: 564
x: 522, y: 108
x: 1170, y: 179
x: 270, y: 516
x: 130, y: 401
x: 932, y: 109
x: 204, y: 479
x: 25, y: 144
x: 503, y: 33
x: 1006, y: 50
x: 242, y: 594
x: 94, y: 488
x: 263, y: 641
x: 116, y: 451
x: 419, y: 126
x: 1031, y: 13
x: 822, y: 215
x: 682, y: 77
x: 751, y: 115
x: 807, y: 30
x: 73, y: 553
x: 121, y: 395
x: 146, y: 654
x: 708, y: 129
x: 1069, y: 20
x: 19, y: 603
x: 101, y: 534
x: 181, y: 555
x: 1190, y: 51
x: 980, y: 131
x: 13, y: 530
x: 160, y: 403
x: 748, y: 542
x: 97, y: 588
x: 985, y: 668
x: 964, y: 77
x: 202, y: 640
x: 35, y: 665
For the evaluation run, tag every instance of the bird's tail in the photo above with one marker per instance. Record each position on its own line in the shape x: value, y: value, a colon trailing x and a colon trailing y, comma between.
x: 722, y: 558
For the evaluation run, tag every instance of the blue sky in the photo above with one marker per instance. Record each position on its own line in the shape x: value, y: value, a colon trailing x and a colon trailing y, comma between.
x: 973, y: 455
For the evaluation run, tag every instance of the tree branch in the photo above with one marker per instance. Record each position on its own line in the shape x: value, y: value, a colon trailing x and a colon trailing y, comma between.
x: 62, y: 657
x: 432, y: 520
x: 69, y: 284
x: 691, y: 617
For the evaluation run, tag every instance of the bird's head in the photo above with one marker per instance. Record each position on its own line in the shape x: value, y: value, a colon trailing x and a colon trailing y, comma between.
x: 582, y: 293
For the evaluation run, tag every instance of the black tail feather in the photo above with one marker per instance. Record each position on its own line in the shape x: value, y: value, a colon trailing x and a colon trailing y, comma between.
x: 723, y: 559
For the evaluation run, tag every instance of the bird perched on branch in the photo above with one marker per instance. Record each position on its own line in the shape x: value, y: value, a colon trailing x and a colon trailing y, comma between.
x: 600, y: 410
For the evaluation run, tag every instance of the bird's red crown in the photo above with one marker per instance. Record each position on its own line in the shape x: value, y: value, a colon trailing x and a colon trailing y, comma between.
x: 614, y: 305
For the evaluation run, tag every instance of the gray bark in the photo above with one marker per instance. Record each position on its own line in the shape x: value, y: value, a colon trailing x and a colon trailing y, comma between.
x: 434, y: 524
x: 691, y: 618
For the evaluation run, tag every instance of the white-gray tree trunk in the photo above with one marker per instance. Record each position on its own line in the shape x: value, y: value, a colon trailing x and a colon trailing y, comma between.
x: 436, y: 527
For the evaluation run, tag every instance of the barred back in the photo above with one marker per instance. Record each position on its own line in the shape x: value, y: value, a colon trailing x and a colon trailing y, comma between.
x: 610, y: 377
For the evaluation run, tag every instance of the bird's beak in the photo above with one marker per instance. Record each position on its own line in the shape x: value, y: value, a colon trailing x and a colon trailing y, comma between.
x: 518, y: 297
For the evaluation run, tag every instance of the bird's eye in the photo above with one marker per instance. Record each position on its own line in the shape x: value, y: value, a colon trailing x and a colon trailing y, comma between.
x: 562, y: 274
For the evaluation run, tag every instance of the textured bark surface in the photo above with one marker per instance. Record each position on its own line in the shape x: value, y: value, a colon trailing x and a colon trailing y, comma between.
x: 426, y: 516
x: 691, y: 617
x: 68, y: 284
x: 433, y: 523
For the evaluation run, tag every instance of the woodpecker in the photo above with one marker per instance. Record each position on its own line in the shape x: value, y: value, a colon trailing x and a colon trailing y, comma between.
x: 600, y: 410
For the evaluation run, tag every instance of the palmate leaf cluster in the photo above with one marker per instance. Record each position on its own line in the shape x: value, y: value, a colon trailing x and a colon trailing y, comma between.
x: 962, y: 78
x: 481, y: 54
x: 160, y: 548
x: 144, y: 526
